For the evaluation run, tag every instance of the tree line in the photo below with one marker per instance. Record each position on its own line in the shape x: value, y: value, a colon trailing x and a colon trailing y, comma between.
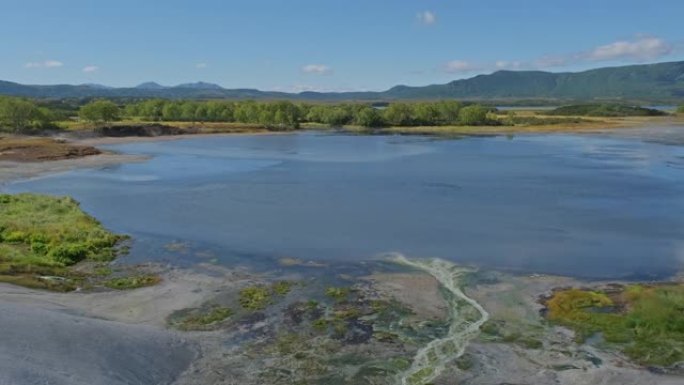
x: 289, y: 115
x: 24, y: 115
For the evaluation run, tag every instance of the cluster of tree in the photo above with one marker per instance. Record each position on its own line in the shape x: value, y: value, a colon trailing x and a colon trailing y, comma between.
x: 100, y: 111
x: 282, y: 114
x: 21, y: 115
x: 605, y: 110
x: 400, y: 114
x: 441, y: 113
x: 680, y: 110
x: 288, y: 115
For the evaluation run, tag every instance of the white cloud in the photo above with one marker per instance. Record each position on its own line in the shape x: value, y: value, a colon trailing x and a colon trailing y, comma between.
x: 427, y: 17
x: 201, y: 65
x: 508, y: 65
x: 318, y: 69
x: 44, y: 64
x: 304, y: 88
x: 53, y: 63
x: 550, y: 61
x: 297, y: 88
x: 501, y: 64
x: 90, y: 69
x: 456, y: 66
x: 641, y: 48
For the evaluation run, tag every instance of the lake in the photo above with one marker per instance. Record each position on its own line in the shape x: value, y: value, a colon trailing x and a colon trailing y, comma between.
x: 586, y: 206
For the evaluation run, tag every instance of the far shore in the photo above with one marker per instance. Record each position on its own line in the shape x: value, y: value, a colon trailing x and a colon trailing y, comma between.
x: 24, y: 167
x: 12, y: 171
x: 107, y: 140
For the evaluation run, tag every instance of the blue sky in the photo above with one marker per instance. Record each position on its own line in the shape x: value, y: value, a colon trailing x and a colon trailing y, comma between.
x: 295, y: 45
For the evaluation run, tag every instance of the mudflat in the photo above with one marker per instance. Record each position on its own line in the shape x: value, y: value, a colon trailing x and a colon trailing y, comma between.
x: 34, y: 149
x: 52, y: 345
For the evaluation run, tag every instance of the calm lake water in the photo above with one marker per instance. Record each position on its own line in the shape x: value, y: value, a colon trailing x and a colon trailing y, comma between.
x: 587, y: 206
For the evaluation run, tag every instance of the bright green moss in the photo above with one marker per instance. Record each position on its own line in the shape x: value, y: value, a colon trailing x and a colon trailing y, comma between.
x: 42, y: 236
x: 203, y: 319
x: 258, y: 297
x: 132, y: 282
x: 646, y: 321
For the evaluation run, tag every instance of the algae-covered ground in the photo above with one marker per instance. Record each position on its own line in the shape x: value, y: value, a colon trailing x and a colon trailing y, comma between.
x: 645, y: 321
x: 304, y: 332
x: 398, y: 327
x: 301, y: 325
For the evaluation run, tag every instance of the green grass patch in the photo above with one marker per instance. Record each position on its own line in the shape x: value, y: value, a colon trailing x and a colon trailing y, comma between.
x: 258, y: 297
x: 647, y: 322
x: 339, y: 294
x: 282, y: 287
x: 203, y: 319
x: 605, y: 110
x: 132, y: 282
x: 42, y: 236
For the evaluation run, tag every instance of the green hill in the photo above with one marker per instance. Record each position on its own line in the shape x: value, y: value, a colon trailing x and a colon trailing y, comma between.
x: 650, y: 82
x: 647, y: 83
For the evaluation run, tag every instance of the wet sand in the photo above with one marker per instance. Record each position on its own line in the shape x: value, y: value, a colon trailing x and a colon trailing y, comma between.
x: 10, y: 171
x: 14, y: 170
x: 108, y: 338
x: 49, y: 345
x: 122, y: 337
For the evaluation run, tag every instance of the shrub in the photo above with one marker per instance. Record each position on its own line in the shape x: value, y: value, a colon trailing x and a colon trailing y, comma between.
x: 605, y: 110
x: 474, y: 115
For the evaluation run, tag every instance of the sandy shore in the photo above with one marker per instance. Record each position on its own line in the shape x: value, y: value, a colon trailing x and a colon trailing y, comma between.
x: 10, y: 171
x: 48, y: 345
x: 670, y: 131
x: 108, y: 338
x: 149, y: 306
x: 122, y: 337
x: 100, y: 141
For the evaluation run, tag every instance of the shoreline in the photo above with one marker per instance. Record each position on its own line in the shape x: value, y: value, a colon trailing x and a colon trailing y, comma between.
x: 226, y: 349
x: 511, y: 301
x: 634, y: 128
x: 14, y: 171
x: 11, y: 171
x: 109, y: 140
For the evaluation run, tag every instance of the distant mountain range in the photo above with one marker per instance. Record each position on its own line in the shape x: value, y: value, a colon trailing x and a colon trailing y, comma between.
x: 660, y: 82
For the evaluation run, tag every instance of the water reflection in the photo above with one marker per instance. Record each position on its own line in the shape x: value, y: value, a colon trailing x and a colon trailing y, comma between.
x: 579, y: 205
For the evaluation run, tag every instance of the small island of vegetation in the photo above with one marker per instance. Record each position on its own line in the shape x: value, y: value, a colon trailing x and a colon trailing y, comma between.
x: 44, y: 238
x: 605, y: 110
